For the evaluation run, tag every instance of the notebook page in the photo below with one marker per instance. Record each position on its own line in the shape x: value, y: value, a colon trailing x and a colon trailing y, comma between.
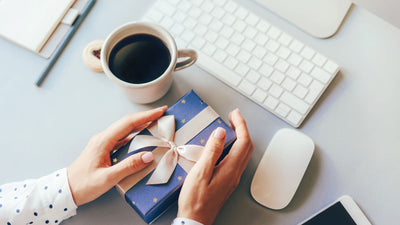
x: 29, y: 23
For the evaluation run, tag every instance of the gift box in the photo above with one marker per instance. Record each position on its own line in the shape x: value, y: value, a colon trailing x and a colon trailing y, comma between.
x: 177, y: 141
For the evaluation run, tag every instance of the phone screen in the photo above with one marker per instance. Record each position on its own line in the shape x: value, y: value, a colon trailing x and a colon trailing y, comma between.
x: 334, y: 215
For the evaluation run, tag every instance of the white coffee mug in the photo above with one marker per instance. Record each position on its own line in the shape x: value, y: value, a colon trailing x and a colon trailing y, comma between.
x: 155, y: 89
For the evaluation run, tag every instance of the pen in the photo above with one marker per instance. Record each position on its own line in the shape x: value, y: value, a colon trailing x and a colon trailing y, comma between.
x: 64, y: 42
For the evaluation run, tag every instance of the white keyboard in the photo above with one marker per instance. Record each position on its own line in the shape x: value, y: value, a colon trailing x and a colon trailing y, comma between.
x: 270, y: 67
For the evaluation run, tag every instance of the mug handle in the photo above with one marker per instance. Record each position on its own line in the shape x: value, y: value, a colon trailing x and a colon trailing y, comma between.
x: 186, y: 53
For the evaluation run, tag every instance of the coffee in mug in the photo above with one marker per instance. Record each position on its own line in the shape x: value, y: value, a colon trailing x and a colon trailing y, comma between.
x: 139, y: 59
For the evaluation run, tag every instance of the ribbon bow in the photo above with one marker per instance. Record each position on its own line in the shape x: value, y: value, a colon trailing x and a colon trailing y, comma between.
x: 165, y: 139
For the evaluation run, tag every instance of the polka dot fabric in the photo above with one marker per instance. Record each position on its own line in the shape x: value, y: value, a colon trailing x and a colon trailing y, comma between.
x: 185, y: 221
x: 47, y: 200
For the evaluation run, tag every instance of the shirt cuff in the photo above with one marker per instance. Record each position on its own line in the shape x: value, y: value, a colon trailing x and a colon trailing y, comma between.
x: 185, y: 221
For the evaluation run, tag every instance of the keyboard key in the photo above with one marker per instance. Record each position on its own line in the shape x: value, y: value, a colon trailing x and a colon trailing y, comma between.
x: 228, y: 19
x: 259, y: 52
x: 307, y: 53
x: 270, y: 59
x: 247, y: 87
x: 231, y: 62
x: 306, y: 66
x: 259, y: 95
x: 184, y: 6
x: 205, y: 19
x: 220, y: 55
x: 232, y: 49
x: 166, y: 8
x: 179, y: 16
x: 266, y: 70
x: 300, y: 91
x: 321, y: 75
x: 243, y: 56
x: 207, y: 6
x: 285, y: 39
x: 200, y: 29
x: 216, y: 26
x: 242, y: 69
x: 274, y: 32
x: 218, y: 13
x: 177, y: 29
x: 294, y: 59
x: 230, y: 6
x: 237, y: 38
x: 296, y: 46
x: 241, y: 13
x: 283, y: 109
x: 304, y: 79
x: 261, y: 39
x: 277, y: 77
x: 254, y: 63
x: 294, y: 102
x: 239, y: 25
x: 319, y: 60
x: 331, y: 67
x: 275, y: 91
x: 283, y: 52
x: 220, y: 2
x: 272, y: 45
x: 211, y: 36
x: 194, y: 12
x: 288, y: 84
x: 189, y: 23
x: 198, y: 42
x: 222, y: 42
x: 293, y: 72
x: 209, y: 49
x: 294, y: 117
x: 263, y: 26
x: 282, y: 65
x: 250, y: 32
x: 271, y: 102
x: 264, y: 83
x: 314, y: 92
x: 253, y: 76
x: 227, y: 32
x: 248, y: 45
x: 188, y: 35
x: 167, y: 23
x: 252, y: 19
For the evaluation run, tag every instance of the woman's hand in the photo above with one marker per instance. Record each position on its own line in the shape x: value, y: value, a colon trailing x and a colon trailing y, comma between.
x: 91, y: 174
x: 207, y: 187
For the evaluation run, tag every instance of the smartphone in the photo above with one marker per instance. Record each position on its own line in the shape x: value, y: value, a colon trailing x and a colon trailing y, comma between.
x: 343, y: 211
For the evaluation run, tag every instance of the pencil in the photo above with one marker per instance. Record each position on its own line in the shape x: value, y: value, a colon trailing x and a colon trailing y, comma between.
x: 64, y: 42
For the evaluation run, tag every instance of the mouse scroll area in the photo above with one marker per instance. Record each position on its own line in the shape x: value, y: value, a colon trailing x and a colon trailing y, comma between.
x: 281, y: 168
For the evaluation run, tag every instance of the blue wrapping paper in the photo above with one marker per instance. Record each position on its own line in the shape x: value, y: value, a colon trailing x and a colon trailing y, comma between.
x: 150, y: 201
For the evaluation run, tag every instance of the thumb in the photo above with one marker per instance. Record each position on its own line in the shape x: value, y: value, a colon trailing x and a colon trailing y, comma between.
x: 130, y: 165
x: 212, y: 152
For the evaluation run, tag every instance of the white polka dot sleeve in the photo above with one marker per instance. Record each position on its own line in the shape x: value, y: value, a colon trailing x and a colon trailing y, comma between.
x: 47, y: 200
x: 185, y: 221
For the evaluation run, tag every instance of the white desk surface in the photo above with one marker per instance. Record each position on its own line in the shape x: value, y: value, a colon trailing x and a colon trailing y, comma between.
x: 354, y: 126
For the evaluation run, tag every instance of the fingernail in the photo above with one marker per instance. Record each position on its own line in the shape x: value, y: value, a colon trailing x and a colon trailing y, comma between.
x: 219, y: 133
x: 161, y: 108
x: 147, y: 157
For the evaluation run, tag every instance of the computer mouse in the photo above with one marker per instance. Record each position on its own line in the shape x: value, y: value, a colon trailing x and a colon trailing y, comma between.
x: 281, y: 168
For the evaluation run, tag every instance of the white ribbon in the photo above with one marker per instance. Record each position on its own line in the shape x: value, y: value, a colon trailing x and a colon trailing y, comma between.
x: 165, y: 139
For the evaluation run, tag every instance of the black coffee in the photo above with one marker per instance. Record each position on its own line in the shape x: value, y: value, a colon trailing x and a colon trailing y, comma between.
x: 139, y: 58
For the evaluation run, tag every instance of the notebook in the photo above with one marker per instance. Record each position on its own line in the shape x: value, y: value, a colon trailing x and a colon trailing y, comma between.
x: 29, y: 23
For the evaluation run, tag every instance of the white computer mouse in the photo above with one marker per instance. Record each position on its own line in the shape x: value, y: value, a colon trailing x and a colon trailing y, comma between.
x: 281, y: 168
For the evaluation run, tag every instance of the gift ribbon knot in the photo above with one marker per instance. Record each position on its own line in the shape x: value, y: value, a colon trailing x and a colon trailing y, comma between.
x: 164, y: 138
